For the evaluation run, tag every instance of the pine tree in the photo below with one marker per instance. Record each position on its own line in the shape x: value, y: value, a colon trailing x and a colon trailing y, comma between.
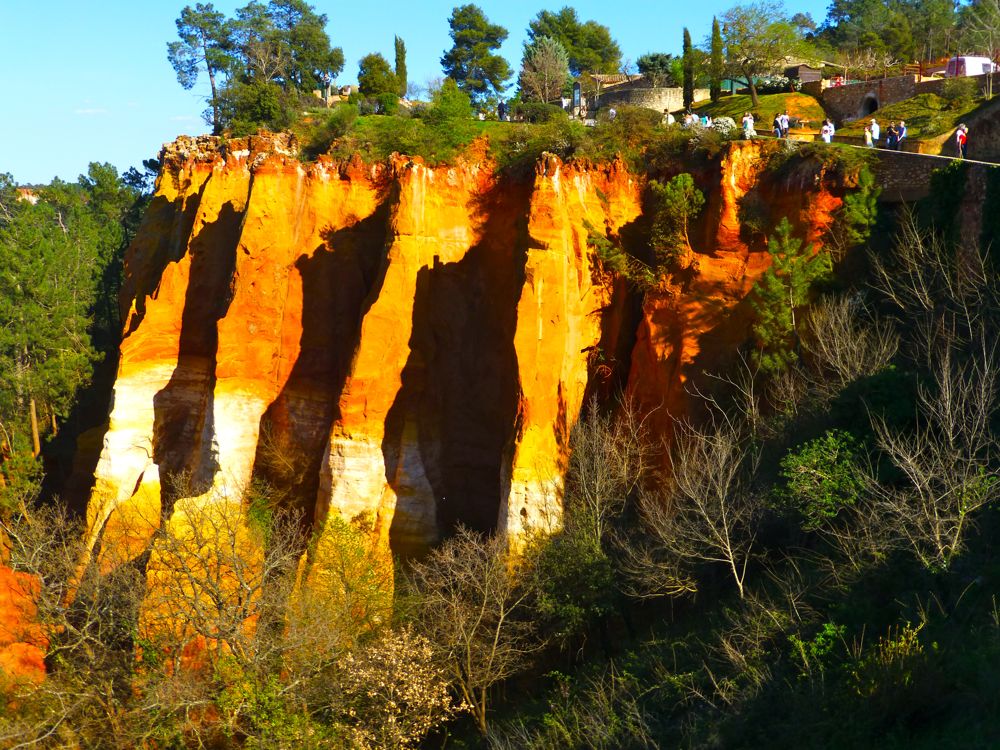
x: 471, y: 62
x: 401, y: 66
x: 675, y: 204
x: 780, y: 292
x: 688, y: 63
x: 716, y: 64
x: 51, y: 253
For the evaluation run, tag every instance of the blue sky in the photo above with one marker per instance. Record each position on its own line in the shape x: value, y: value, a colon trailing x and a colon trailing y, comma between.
x: 88, y: 80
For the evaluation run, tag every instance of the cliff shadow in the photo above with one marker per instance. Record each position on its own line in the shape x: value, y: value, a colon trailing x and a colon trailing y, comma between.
x: 340, y: 281
x: 166, y: 226
x: 71, y: 455
x: 610, y: 361
x: 183, y: 410
x: 460, y: 390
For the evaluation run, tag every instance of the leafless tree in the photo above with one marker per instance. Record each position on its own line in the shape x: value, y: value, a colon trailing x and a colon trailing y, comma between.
x: 611, y: 455
x: 845, y: 342
x: 946, y: 295
x: 709, y: 511
x: 948, y: 460
x: 868, y: 62
x: 982, y: 30
x: 187, y: 646
x: 85, y: 629
x: 472, y: 608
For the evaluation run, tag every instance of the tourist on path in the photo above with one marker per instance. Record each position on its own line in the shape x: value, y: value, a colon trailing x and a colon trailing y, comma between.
x: 876, y: 132
x: 784, y: 124
x: 900, y: 135
x: 868, y: 137
x: 776, y: 126
x: 962, y: 141
x: 826, y: 132
x: 892, y: 137
x: 748, y: 130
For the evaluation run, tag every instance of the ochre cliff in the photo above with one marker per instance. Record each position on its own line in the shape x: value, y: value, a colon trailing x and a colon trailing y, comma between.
x: 694, y: 321
x: 405, y: 346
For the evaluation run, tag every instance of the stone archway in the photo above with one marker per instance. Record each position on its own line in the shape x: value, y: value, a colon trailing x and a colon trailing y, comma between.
x: 869, y: 105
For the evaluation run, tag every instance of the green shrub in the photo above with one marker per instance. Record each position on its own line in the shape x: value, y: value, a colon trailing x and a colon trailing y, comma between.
x: 449, y: 103
x: 248, y: 107
x: 388, y: 103
x: 822, y: 477
x: 615, y: 258
x: 816, y: 654
x: 541, y: 112
x: 574, y: 581
x: 960, y: 91
x: 337, y: 124
x: 754, y: 214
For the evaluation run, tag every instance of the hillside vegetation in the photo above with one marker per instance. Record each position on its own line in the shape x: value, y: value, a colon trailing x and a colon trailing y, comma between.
x: 800, y: 106
x: 927, y: 116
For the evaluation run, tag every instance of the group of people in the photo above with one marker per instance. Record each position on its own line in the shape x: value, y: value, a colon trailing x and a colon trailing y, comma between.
x: 894, y: 135
x: 827, y: 130
x: 690, y: 119
x: 780, y: 125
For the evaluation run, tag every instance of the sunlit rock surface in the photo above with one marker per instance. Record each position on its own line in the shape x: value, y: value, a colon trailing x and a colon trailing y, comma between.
x: 405, y: 346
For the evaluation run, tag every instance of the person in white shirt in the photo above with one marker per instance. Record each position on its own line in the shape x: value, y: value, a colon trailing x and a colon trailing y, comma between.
x: 826, y: 132
x: 876, y: 131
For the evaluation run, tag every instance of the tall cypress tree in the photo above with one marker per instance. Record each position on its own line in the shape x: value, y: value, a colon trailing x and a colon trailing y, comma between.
x: 688, y: 63
x: 401, y: 66
x: 716, y: 62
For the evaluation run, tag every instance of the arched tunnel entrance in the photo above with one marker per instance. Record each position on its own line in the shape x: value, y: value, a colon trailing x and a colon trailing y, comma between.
x: 869, y: 105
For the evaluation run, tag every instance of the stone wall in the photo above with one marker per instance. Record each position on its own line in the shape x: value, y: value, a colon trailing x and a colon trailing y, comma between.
x: 858, y: 100
x: 657, y: 99
x: 905, y: 176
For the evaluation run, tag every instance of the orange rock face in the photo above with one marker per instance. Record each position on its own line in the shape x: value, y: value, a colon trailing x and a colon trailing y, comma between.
x: 22, y: 642
x: 695, y: 324
x: 405, y: 346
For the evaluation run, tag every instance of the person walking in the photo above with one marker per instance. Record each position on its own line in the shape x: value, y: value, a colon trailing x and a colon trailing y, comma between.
x: 776, y: 126
x: 826, y: 132
x: 784, y: 124
x: 876, y: 132
x: 900, y: 135
x: 892, y: 137
x: 748, y: 129
x: 868, y: 136
x: 962, y: 141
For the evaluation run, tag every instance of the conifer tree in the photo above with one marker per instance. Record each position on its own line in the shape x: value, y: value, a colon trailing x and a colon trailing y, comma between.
x: 780, y: 292
x: 401, y: 66
x: 51, y: 253
x: 716, y: 63
x: 676, y: 203
x: 472, y: 62
x: 688, y: 64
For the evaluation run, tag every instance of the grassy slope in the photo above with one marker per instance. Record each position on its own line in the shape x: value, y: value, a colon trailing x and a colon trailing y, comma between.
x: 798, y: 105
x: 926, y: 116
